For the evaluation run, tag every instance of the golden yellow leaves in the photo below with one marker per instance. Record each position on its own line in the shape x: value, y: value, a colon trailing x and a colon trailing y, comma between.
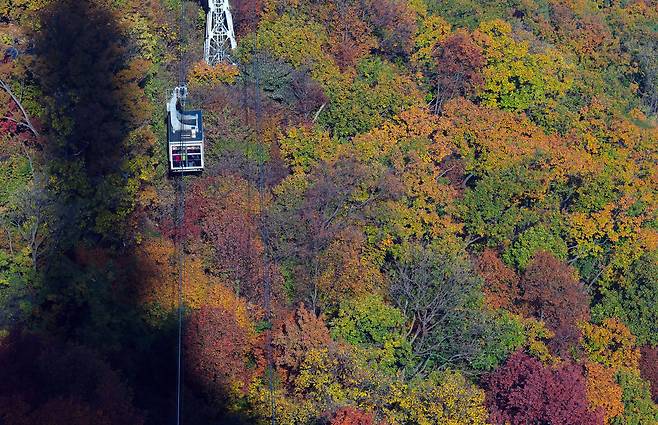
x: 158, y: 267
x: 490, y: 139
x: 346, y: 272
x: 611, y: 344
x: 516, y: 79
x: 202, y: 75
x: 432, y: 30
x: 445, y: 398
x: 303, y: 147
x: 587, y: 230
x: 615, y: 224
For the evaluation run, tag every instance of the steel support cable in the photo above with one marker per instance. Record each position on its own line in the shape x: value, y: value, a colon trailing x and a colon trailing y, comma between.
x: 264, y: 232
x: 267, y: 284
x: 180, y: 237
x: 181, y: 264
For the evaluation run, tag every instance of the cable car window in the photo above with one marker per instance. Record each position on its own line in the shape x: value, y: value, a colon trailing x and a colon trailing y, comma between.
x: 186, y: 157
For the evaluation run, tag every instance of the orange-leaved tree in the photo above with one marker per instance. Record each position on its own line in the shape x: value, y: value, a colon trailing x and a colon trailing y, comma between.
x: 603, y: 391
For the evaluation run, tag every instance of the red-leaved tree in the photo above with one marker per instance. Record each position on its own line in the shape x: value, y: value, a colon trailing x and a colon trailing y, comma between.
x: 524, y: 391
x: 351, y: 37
x: 300, y: 332
x: 222, y: 211
x: 459, y: 62
x: 246, y: 15
x: 501, y: 286
x: 352, y: 416
x: 551, y: 292
x: 394, y: 22
x: 217, y: 351
x: 649, y: 369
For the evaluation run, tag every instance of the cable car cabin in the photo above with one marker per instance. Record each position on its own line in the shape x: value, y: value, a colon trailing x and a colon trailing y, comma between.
x: 185, y: 136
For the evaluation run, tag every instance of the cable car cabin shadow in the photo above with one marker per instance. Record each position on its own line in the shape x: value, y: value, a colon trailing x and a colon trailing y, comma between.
x: 185, y: 137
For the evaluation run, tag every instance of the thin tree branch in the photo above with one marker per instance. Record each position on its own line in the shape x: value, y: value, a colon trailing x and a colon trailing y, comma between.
x: 26, y: 117
x: 317, y: 114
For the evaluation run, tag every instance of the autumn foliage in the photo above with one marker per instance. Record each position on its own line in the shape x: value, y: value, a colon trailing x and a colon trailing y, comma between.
x: 603, y: 391
x: 649, y: 369
x: 218, y: 350
x: 394, y: 23
x: 459, y: 63
x: 526, y: 391
x: 501, y: 287
x: 222, y: 212
x: 351, y: 416
x: 610, y: 344
x: 551, y: 292
x: 299, y: 334
x: 411, y: 212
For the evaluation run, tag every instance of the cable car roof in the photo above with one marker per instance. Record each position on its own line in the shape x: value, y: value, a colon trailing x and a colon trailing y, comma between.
x: 190, y: 128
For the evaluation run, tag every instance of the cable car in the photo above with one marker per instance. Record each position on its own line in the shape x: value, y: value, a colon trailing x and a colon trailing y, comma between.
x: 185, y: 135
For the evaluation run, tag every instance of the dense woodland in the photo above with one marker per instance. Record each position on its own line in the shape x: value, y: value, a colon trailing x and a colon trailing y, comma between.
x: 413, y: 212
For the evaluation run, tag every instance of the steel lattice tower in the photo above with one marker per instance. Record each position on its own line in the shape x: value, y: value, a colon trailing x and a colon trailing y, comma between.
x: 220, y: 38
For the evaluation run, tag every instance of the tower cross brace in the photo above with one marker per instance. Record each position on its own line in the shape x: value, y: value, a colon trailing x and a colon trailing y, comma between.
x: 220, y: 38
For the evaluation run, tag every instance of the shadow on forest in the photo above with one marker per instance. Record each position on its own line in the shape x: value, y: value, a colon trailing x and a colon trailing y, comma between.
x: 87, y: 285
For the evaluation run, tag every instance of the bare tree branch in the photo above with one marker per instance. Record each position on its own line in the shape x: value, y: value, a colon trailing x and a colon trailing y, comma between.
x: 26, y: 117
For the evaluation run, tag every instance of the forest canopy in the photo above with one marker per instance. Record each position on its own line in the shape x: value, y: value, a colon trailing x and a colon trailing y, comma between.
x: 411, y: 212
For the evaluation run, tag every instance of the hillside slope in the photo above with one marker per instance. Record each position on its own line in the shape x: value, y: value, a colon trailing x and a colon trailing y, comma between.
x: 412, y: 212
